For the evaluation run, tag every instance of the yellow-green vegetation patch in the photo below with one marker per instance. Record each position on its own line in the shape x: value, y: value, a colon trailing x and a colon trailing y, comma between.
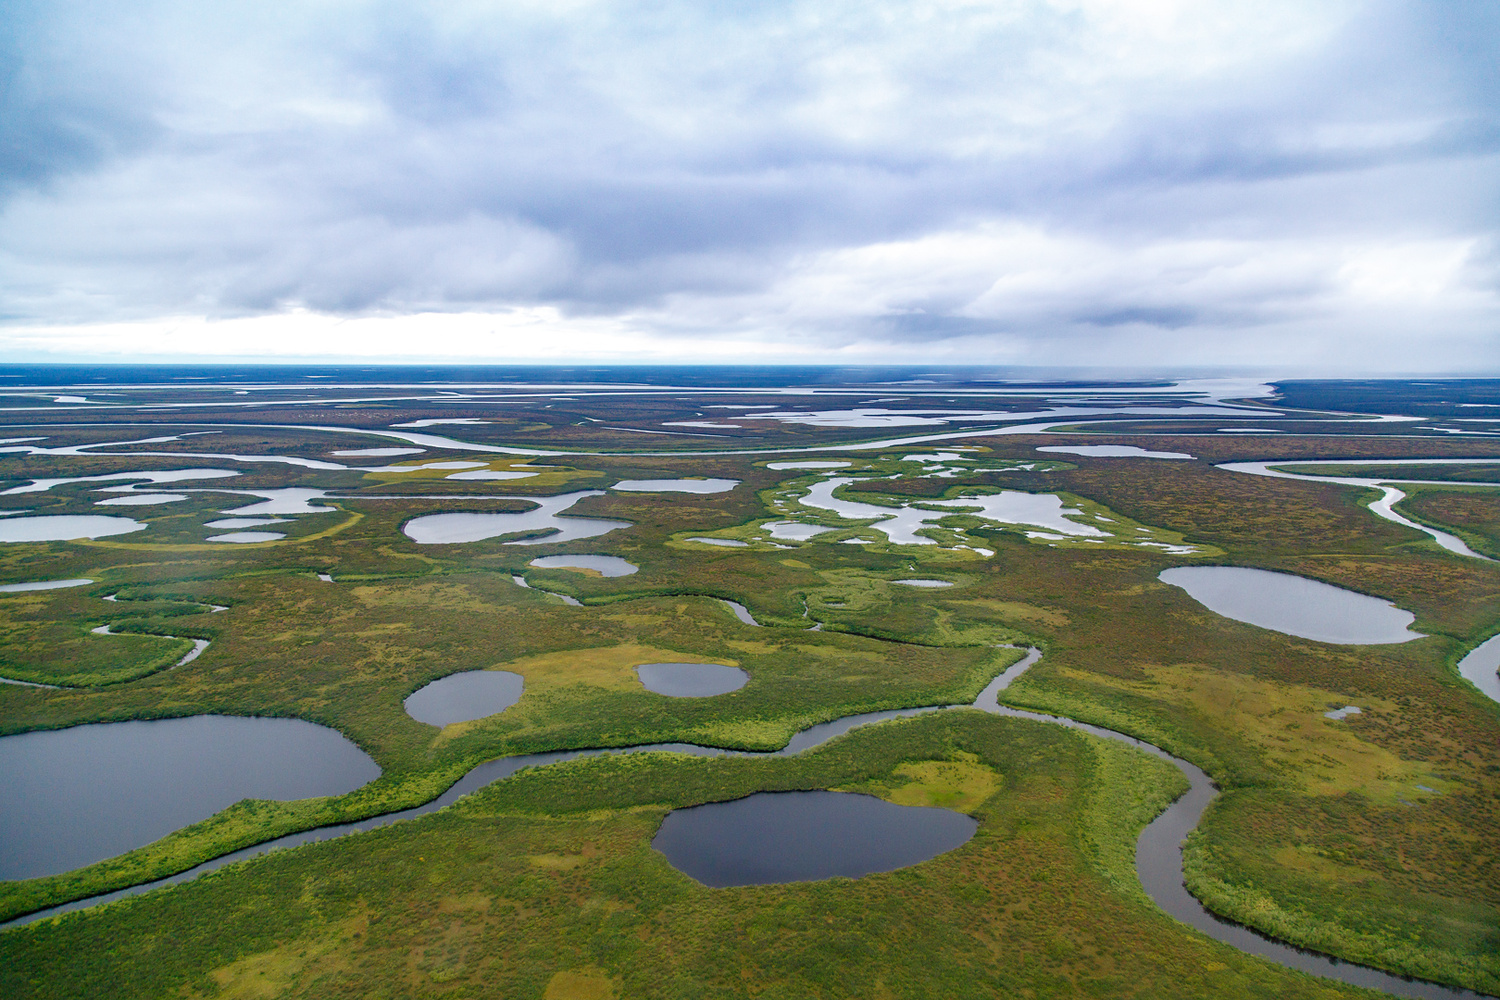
x: 1023, y: 909
x: 604, y: 667
x: 590, y: 983
x: 1286, y: 726
x: 962, y: 784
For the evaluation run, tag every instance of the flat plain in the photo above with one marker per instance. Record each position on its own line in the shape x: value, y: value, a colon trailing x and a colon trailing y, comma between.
x: 1372, y: 837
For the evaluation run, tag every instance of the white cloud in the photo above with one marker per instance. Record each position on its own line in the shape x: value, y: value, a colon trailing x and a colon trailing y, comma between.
x: 1005, y: 179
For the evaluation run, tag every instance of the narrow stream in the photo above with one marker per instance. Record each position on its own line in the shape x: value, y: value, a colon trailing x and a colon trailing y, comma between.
x: 1390, y: 495
x: 1158, y: 853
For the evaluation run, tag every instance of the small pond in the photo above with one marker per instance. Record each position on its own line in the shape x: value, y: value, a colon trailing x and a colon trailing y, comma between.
x: 794, y: 531
x: 691, y: 680
x: 609, y: 566
x: 491, y: 475
x: 377, y: 452
x: 16, y: 588
x: 1293, y: 605
x: 247, y: 537
x: 226, y: 523
x: 923, y: 583
x: 291, y: 500
x: 776, y: 837
x: 473, y: 694
x: 675, y: 485
x: 61, y: 527
x: 724, y: 543
x: 1110, y: 451
x: 141, y: 500
x: 448, y: 529
x: 75, y: 796
x: 783, y: 466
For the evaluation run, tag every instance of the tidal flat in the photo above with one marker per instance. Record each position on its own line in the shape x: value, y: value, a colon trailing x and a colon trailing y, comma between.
x: 1363, y: 836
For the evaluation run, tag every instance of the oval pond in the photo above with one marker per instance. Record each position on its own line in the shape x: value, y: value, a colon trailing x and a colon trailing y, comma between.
x: 608, y: 566
x: 691, y: 680
x: 1293, y: 605
x: 775, y: 837
x: 463, y: 697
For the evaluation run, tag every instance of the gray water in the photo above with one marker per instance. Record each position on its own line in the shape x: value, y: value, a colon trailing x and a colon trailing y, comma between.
x: 1480, y: 666
x: 520, y: 581
x: 141, y: 500
x: 607, y: 566
x: 740, y: 611
x: 16, y: 588
x: 675, y: 485
x: 814, y: 464
x: 247, y: 537
x: 1158, y: 856
x: 1111, y: 451
x: 62, y: 527
x: 1389, y: 495
x: 777, y: 837
x: 79, y: 795
x: 923, y: 583
x: 448, y: 529
x: 691, y: 680
x: 473, y: 694
x: 291, y: 500
x: 725, y: 543
x: 794, y: 531
x: 1294, y: 605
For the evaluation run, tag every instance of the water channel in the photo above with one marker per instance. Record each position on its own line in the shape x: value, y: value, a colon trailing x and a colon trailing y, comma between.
x: 1158, y: 854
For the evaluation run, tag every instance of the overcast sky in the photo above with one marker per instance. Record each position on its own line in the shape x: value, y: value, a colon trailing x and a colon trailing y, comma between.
x: 1294, y: 187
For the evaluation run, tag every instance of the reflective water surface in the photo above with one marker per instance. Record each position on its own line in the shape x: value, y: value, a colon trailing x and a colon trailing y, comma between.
x: 1294, y: 605
x: 75, y: 796
x: 675, y: 485
x: 608, y: 566
x: 16, y: 588
x: 61, y: 527
x: 448, y: 529
x: 691, y: 680
x: 775, y: 837
x: 473, y: 694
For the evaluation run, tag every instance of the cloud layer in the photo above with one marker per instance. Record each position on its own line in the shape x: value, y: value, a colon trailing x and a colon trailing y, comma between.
x: 1076, y: 181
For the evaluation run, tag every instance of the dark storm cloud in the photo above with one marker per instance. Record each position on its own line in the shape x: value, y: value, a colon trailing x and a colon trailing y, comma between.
x: 793, y: 169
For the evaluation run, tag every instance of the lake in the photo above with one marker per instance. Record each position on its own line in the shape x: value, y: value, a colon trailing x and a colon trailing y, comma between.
x: 1294, y: 605
x: 78, y: 795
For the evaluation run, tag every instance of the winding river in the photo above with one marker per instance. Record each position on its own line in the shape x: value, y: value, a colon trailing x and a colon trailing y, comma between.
x: 1390, y: 495
x: 1158, y: 854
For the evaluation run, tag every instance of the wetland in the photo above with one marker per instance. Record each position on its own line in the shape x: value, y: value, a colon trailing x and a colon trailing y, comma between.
x: 1261, y: 723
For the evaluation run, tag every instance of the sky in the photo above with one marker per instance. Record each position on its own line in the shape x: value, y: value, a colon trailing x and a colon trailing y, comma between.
x: 1283, y: 186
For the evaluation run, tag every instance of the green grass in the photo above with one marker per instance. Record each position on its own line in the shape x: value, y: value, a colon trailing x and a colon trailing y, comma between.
x: 1301, y: 845
x: 549, y: 881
